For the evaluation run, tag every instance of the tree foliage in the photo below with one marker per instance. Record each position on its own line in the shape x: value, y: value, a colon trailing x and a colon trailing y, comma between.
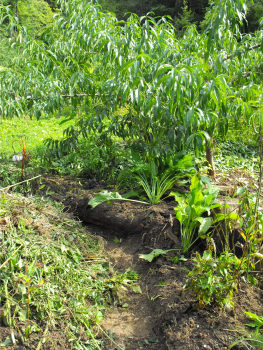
x: 255, y: 12
x: 173, y: 8
x: 175, y: 93
x: 34, y: 14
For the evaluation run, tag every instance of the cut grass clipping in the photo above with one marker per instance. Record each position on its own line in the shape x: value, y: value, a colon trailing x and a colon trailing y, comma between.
x: 55, y: 281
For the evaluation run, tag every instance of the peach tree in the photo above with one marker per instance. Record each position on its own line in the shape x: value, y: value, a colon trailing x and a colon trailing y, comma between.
x: 137, y: 79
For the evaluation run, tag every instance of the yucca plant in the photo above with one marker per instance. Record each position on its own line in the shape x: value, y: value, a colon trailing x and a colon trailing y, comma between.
x: 156, y: 185
x: 161, y: 174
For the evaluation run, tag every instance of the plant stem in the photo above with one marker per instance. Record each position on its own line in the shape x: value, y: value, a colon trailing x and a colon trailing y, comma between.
x: 4, y: 263
x: 210, y: 159
x: 129, y: 200
x: 27, y: 284
x: 260, y: 171
x: 19, y: 183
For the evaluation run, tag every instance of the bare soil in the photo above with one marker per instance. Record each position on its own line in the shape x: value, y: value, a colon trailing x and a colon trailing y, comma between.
x: 163, y: 316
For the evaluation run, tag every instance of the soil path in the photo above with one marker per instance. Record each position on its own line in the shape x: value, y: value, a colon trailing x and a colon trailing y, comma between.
x: 134, y: 322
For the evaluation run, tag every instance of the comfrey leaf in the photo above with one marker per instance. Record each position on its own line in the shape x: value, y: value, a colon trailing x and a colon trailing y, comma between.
x: 106, y: 196
x: 206, y: 223
x: 154, y: 254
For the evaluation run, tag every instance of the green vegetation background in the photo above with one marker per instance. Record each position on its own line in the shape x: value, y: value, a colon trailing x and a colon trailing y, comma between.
x: 36, y: 15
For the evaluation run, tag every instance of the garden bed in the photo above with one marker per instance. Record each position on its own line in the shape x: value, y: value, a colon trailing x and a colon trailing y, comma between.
x: 164, y: 315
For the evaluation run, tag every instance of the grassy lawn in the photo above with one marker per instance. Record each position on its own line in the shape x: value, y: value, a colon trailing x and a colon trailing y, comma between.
x: 13, y: 131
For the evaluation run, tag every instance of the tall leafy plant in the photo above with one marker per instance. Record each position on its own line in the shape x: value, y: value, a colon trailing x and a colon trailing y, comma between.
x: 193, y: 211
x: 214, y: 279
x: 176, y: 93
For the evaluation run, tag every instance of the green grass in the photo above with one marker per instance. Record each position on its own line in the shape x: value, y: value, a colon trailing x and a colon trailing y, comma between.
x: 36, y: 131
x: 92, y: 157
x: 33, y: 132
x: 54, y: 276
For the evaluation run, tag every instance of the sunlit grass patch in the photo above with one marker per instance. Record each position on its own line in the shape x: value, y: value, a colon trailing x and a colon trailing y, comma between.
x: 35, y: 131
x: 235, y: 154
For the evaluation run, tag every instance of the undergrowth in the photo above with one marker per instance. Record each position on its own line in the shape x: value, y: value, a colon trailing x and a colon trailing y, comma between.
x: 54, y: 276
x: 100, y: 156
x: 235, y: 154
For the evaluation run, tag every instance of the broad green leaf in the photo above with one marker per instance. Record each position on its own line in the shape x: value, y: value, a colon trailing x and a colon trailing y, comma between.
x: 179, y: 215
x: 180, y: 199
x: 196, y: 196
x: 216, y: 205
x: 154, y: 254
x: 106, y: 196
x: 195, y: 182
x: 205, y: 224
x: 233, y: 216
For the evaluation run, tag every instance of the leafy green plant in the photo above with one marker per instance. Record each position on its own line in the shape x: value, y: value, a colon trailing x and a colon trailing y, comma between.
x: 106, y: 196
x: 154, y: 254
x: 157, y: 178
x: 156, y: 188
x: 192, y: 207
x: 214, y: 279
x: 251, y: 340
x: 121, y: 282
